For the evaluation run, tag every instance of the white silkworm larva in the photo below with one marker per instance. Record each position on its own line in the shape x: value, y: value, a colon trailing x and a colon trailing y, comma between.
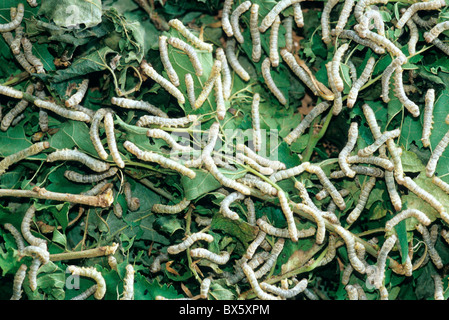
x: 408, y: 213
x: 112, y: 142
x: 66, y: 113
x: 325, y: 23
x: 32, y: 273
x: 407, y: 15
x: 255, y: 116
x: 76, y: 98
x: 369, y: 150
x: 344, y: 153
x: 167, y: 85
x: 161, y: 134
x: 363, y: 27
x: 362, y: 4
x: 386, y: 76
x: 298, y: 70
x: 287, y: 173
x: 91, y: 272
x: 288, y: 213
x: 95, y: 135
x: 297, y: 14
x: 263, y: 186
x: 225, y: 72
x: 426, y: 24
x: 225, y: 22
x: 317, y: 216
x: 19, y: 277
x: 11, y: 92
x: 250, y: 274
x: 288, y: 26
x: 31, y: 58
x: 304, y: 194
x: 414, y: 36
x: 89, y: 178
x: 362, y: 170
x: 132, y: 202
x: 436, y: 154
x: 266, y: 73
x: 387, y: 44
x: 86, y: 294
x: 140, y: 105
x: 189, y: 241
x: 400, y: 94
x: 428, y: 117
x: 363, y: 199
x: 156, y: 264
x: 352, y: 71
x: 433, y: 253
x: 377, y: 161
x: 338, y: 98
x: 221, y: 258
x: 112, y: 262
x: 440, y: 183
x: 344, y: 15
x: 274, y: 42
x: 251, y: 215
x: 285, y: 293
x: 274, y: 12
x: 233, y: 61
x: 190, y: 51
x: 350, y: 247
x: 146, y: 121
x: 336, y: 60
x: 273, y: 164
x: 36, y: 252
x: 16, y: 21
x: 227, y: 201
x: 305, y: 123
x: 352, y: 35
x: 209, y: 84
x: 16, y: 111
x: 204, y: 288
x: 252, y: 163
x: 395, y: 198
x: 219, y: 98
x: 76, y: 155
x: 331, y: 251
x: 251, y: 249
x: 186, y: 33
x: 212, y: 140
x: 352, y: 292
x: 360, y: 82
x: 17, y: 236
x: 267, y: 228
x: 34, y: 149
x: 438, y: 283
x: 26, y: 225
x: 272, y: 258
x: 190, y: 88
x: 171, y: 209
x: 235, y: 16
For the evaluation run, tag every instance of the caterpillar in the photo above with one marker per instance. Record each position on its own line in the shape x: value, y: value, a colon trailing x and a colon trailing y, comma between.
x: 161, y: 134
x: 317, y: 216
x: 387, y: 44
x: 363, y: 199
x: 19, y: 277
x: 227, y: 182
x: 433, y: 253
x: 336, y: 59
x: 343, y: 17
x: 287, y: 173
x: 407, y: 15
x: 377, y: 161
x: 11, y: 92
x: 436, y: 154
x: 400, y: 94
x: 274, y: 12
x: 441, y: 45
x: 304, y: 195
x: 225, y: 72
x: 17, y: 110
x: 190, y: 51
x: 112, y: 142
x: 90, y: 178
x: 285, y: 293
x: 31, y: 58
x: 297, y: 14
x: 428, y: 117
x: 350, y: 247
x: 225, y: 22
x: 325, y: 23
x: 440, y: 183
x: 189, y: 241
x: 86, y: 294
x: 253, y: 181
x: 186, y: 33
x: 219, y: 98
x: 16, y: 21
x: 17, y: 120
x: 140, y: 105
x: 34, y: 149
x: 255, y: 116
x: 17, y: 236
x: 255, y: 262
x: 288, y: 26
x: 360, y: 82
x: 266, y: 67
x: 87, y: 111
x: 95, y: 135
x: 426, y: 24
x: 363, y: 27
x: 386, y: 76
x: 324, y: 193
x: 112, y: 262
x: 369, y: 150
x: 414, y: 36
x: 306, y: 122
x: 272, y: 258
x: 252, y: 163
x: 204, y: 288
x: 273, y: 164
x: 235, y: 16
x: 171, y: 209
x: 298, y: 70
x: 167, y: 85
x: 233, y: 61
x: 250, y: 274
x: 20, y: 57
x: 331, y: 251
x: 405, y: 214
x: 344, y: 153
x: 251, y: 215
x: 438, y: 283
x: 352, y: 35
x: 190, y: 88
x: 66, y: 113
x: 91, y: 272
x: 36, y: 252
x: 76, y: 98
x: 32, y: 273
x: 362, y: 170
x: 156, y: 264
x: 361, y: 5
x: 267, y: 228
x: 212, y: 139
x: 146, y: 121
x: 224, y: 207
x: 352, y: 71
x: 209, y: 84
x: 352, y: 292
x: 288, y: 213
x: 393, y: 193
x: 338, y: 99
x: 251, y: 249
x: 32, y: 3
x: 221, y: 258
x: 76, y: 155
x: 274, y: 36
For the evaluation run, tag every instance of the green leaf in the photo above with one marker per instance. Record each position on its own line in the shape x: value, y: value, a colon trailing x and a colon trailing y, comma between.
x: 72, y: 13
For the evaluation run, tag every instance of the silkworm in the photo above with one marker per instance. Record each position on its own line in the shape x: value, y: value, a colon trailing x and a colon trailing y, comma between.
x: 190, y: 51
x: 285, y: 293
x: 306, y: 122
x: 369, y: 150
x: 86, y: 294
x: 204, y: 288
x: 440, y: 183
x: 95, y: 135
x: 227, y: 201
x: 426, y: 24
x: 250, y: 274
x: 297, y: 14
x: 40, y: 253
x: 17, y: 236
x: 433, y: 253
x: 428, y: 117
x: 363, y: 27
x: 438, y: 291
x: 16, y: 21
x: 414, y: 37
x: 363, y: 199
x: 11, y: 92
x: 377, y: 161
x: 31, y: 58
x: 338, y: 98
x: 441, y: 45
x: 225, y: 22
x: 20, y: 57
x: 219, y: 98
x: 274, y: 12
x: 336, y: 60
x: 171, y: 209
x: 225, y: 73
x: 32, y: 273
x: 25, y: 228
x: 227, y: 182
x: 233, y: 61
x: 436, y: 154
x: 252, y: 163
x: 387, y: 44
x: 288, y: 213
x: 167, y: 85
x: 273, y: 164
x: 254, y: 182
x: 66, y: 113
x: 362, y: 170
x: 190, y: 88
x: 350, y: 247
x: 317, y: 216
x: 32, y: 3
x: 90, y: 178
x: 288, y: 26
x: 186, y: 33
x: 161, y: 134
x: 133, y: 203
x: 17, y: 119
x: 386, y: 76
x: 112, y: 142
x: 325, y: 23
x: 34, y: 149
x: 331, y: 251
x: 274, y: 43
x: 360, y: 82
x: 287, y: 173
x: 343, y: 17
x: 251, y: 215
x: 234, y: 20
x: 211, y: 140
x: 304, y: 194
x: 298, y: 70
x: 16, y: 43
x: 156, y: 264
x: 344, y: 153
x: 391, y: 188
x: 76, y: 155
x: 76, y: 98
x: 400, y: 94
x: 267, y: 228
x: 415, y: 7
x: 146, y: 121
x: 209, y: 84
x: 91, y: 272
x: 352, y: 292
x: 324, y: 180
x: 266, y: 73
x: 405, y: 214
x: 361, y: 5
x: 252, y: 247
x: 138, y: 104
x: 221, y: 258
x: 352, y: 35
x: 272, y: 258
x: 255, y: 116
x: 112, y: 262
x: 324, y: 193
x: 189, y: 241
x: 19, y: 277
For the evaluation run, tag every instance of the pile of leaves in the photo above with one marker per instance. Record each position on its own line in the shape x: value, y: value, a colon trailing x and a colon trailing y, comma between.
x: 106, y: 42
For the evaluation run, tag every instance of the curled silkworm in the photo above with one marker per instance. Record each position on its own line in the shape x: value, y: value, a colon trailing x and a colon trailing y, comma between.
x: 274, y: 43
x: 436, y: 154
x: 219, y: 98
x: 112, y: 142
x: 386, y: 76
x: 251, y: 249
x: 392, y: 192
x: 343, y: 17
x: 16, y: 111
x: 63, y: 112
x: 19, y: 277
x: 34, y: 149
x: 16, y: 21
x: 76, y: 98
x: 17, y: 236
x: 364, y: 25
x: 362, y: 4
x: 186, y: 33
x: 440, y: 183
x: 156, y: 264
x: 273, y: 164
x: 76, y: 155
x: 221, y: 258
x: 132, y: 202
x: 138, y: 104
x: 266, y: 73
x: 26, y: 226
x: 225, y: 72
x: 128, y: 287
x: 288, y: 213
x: 167, y: 85
x: 250, y: 274
x: 31, y: 58
x: 91, y: 272
x: 171, y: 209
x: 86, y: 294
x: 288, y: 26
x: 325, y: 23
x: 336, y: 60
x: 225, y: 22
x: 95, y: 134
x: 408, y: 213
x: 428, y: 117
x: 298, y: 70
x: 377, y: 161
x: 189, y: 241
x: 344, y: 153
x: 287, y: 173
x: 204, y: 288
x: 338, y: 98
x: 255, y: 116
x: 233, y: 61
x: 433, y: 253
x: 190, y: 51
x: 438, y: 283
x: 89, y: 178
x: 407, y: 15
x: 363, y: 199
x: 400, y: 94
x: 350, y: 247
x: 274, y: 12
x: 317, y: 216
x: 285, y: 293
x: 369, y: 150
x: 146, y: 121
x: 227, y: 201
x: 235, y: 16
x: 20, y: 57
x: 360, y: 82
x: 11, y: 92
x: 209, y: 84
x: 40, y: 253
x: 306, y: 122
x: 190, y: 88
x: 161, y: 134
x: 352, y: 35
